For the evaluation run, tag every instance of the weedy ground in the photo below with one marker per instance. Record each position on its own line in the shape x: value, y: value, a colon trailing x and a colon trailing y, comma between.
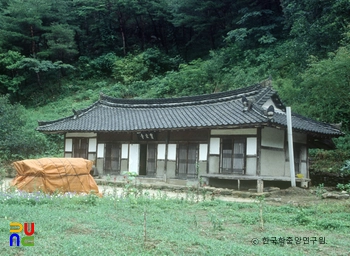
x: 141, y: 224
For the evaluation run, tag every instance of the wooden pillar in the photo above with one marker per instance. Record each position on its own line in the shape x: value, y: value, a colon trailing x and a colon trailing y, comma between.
x: 260, y: 186
x: 258, y: 158
x: 290, y: 146
x: 205, y: 180
x: 166, y: 156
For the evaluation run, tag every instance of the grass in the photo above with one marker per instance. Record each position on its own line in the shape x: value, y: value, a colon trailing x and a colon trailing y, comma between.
x: 118, y: 225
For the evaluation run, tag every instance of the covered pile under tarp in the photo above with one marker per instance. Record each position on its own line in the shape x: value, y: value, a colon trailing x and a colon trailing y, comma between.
x: 55, y: 175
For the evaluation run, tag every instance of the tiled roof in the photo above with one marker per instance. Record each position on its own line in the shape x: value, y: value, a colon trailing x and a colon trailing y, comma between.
x: 212, y: 111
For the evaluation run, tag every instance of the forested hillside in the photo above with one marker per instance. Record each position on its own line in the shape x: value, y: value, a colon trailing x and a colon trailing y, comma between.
x: 59, y: 54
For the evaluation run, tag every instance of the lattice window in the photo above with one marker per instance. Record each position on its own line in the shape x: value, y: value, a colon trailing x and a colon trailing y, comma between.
x: 112, y: 159
x: 80, y: 147
x: 232, y: 156
x: 187, y: 160
x: 151, y: 159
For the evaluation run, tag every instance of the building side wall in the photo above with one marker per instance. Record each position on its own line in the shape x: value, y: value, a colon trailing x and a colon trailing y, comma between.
x: 266, y: 150
x: 274, y: 158
x: 251, y: 166
x: 272, y: 162
x: 171, y: 170
x: 214, y: 163
x: 160, y: 169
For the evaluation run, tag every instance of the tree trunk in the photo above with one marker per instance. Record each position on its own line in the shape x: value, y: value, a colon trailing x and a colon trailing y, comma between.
x: 33, y: 41
x: 141, y: 26
x: 38, y: 79
x: 120, y: 18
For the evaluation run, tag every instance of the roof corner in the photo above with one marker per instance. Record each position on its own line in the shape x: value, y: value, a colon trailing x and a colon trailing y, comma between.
x: 267, y: 82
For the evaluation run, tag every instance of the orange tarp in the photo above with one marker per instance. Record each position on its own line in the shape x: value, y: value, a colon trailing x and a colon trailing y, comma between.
x: 55, y: 174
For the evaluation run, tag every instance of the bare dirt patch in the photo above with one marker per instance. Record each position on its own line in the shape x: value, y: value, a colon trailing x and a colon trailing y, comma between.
x: 294, y: 195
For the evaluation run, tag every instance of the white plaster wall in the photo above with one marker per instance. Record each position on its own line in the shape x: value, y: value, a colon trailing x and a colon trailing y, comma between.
x: 81, y: 134
x: 134, y: 158
x: 203, y: 152
x: 271, y: 137
x: 272, y: 162
x: 67, y: 155
x: 172, y: 152
x: 125, y: 151
x: 251, y: 166
x: 92, y: 156
x: 214, y: 162
x: 92, y: 144
x: 68, y: 145
x: 100, y: 150
x: 248, y: 131
x: 268, y: 103
x: 303, y: 159
x: 303, y: 169
x: 161, y: 152
x: 251, y: 146
x: 214, y: 146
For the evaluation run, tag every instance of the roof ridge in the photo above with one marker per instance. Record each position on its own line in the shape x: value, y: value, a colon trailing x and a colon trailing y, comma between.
x: 328, y: 125
x: 265, y: 92
x: 181, y: 101
x: 76, y: 114
x: 165, y: 102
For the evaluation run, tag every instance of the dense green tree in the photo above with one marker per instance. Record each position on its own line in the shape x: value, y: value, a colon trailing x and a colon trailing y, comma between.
x: 17, y: 142
x: 316, y: 26
x: 201, y: 25
x: 10, y: 78
x: 167, y: 48
x: 60, y: 43
x: 102, y: 66
x: 22, y: 25
x: 143, y: 66
x: 18, y: 75
x: 38, y: 67
x: 226, y: 44
x: 35, y: 46
x: 323, y: 92
x: 256, y: 23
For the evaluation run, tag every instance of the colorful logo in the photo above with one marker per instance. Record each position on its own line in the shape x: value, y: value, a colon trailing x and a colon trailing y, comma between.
x: 26, y: 240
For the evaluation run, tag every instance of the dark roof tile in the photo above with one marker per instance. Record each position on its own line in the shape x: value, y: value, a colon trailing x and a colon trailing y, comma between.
x: 212, y: 110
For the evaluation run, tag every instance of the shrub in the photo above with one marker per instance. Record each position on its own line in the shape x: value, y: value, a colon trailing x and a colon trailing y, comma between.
x: 345, y: 187
x: 249, y: 219
x: 346, y: 168
x: 17, y: 141
x: 328, y: 224
x: 99, y: 67
x: 143, y: 66
x: 329, y: 160
x: 302, y: 218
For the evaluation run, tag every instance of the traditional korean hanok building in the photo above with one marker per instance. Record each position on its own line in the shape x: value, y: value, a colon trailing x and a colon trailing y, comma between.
x: 230, y: 136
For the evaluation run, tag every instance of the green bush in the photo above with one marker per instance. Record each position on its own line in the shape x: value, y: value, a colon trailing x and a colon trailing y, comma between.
x: 250, y: 219
x: 101, y: 66
x: 345, y: 187
x: 143, y: 66
x: 333, y: 161
x: 17, y: 141
x: 346, y: 168
x: 329, y: 224
x: 302, y: 217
